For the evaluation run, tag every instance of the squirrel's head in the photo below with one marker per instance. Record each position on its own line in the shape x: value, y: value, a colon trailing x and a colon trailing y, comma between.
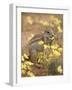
x: 49, y: 36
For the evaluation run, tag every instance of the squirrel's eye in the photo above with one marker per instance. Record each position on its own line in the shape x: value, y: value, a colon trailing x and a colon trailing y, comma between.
x: 47, y: 32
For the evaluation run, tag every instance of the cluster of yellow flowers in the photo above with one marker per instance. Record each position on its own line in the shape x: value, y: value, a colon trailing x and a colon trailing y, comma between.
x: 26, y: 66
x: 59, y: 69
x: 23, y: 57
x: 56, y: 50
x: 29, y: 20
x: 54, y: 53
x: 53, y: 21
x: 44, y: 22
x: 59, y: 29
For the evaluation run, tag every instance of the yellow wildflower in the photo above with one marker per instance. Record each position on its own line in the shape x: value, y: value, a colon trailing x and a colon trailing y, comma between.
x: 23, y: 66
x: 46, y: 46
x: 59, y: 29
x: 29, y: 67
x: 29, y: 20
x: 39, y: 60
x: 55, y: 46
x: 57, y: 21
x: 60, y: 49
x: 56, y: 53
x: 51, y: 25
x: 29, y: 73
x: 51, y: 55
x: 25, y: 56
x: 22, y: 58
x: 28, y: 63
x: 52, y: 17
x: 59, y: 69
x: 23, y: 72
x: 45, y: 23
x: 40, y: 42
